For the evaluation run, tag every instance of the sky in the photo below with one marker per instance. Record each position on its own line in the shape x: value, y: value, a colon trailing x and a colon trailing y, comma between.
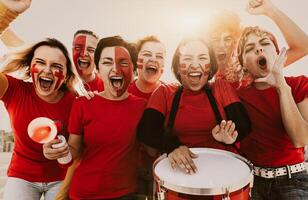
x: 170, y: 20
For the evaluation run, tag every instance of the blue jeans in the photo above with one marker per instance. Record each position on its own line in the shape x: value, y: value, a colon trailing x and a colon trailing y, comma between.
x: 281, y: 188
x: 21, y: 189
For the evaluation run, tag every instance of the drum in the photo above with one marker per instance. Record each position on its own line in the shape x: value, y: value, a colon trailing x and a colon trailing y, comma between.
x: 221, y: 175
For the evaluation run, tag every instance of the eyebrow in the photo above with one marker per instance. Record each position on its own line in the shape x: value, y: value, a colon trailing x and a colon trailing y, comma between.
x: 54, y: 63
x: 264, y: 39
x: 39, y: 59
x: 145, y: 51
x: 249, y: 44
x: 107, y: 58
x: 186, y: 55
x: 57, y: 64
x: 204, y: 54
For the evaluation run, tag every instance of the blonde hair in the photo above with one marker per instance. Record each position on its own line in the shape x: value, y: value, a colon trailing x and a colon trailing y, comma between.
x: 223, y: 21
x: 257, y: 31
x: 20, y: 60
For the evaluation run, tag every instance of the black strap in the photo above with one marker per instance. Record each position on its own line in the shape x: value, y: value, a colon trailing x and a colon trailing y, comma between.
x: 216, y: 111
x: 213, y: 104
x: 175, y: 105
x: 174, y: 108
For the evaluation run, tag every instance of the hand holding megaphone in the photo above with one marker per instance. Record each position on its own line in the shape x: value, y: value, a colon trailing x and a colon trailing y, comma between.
x: 44, y: 131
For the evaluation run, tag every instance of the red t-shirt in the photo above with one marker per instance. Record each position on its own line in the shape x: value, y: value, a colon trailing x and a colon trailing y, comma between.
x: 108, y: 165
x: 144, y: 159
x: 95, y: 85
x: 133, y: 89
x: 195, y: 118
x: 268, y: 144
x: 23, y: 105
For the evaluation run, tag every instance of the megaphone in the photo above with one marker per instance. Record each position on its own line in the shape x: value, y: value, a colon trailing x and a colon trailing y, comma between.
x: 42, y: 130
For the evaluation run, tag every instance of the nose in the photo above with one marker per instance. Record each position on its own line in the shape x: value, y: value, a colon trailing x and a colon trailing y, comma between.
x: 47, y: 69
x: 84, y: 52
x: 258, y: 51
x: 114, y: 68
x: 195, y: 65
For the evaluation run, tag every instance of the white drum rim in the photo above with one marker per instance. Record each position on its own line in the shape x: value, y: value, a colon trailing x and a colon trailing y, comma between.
x: 206, y: 191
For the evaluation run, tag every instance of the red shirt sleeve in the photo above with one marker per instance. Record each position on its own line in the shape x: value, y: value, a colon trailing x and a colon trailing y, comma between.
x: 299, y: 86
x: 75, y: 125
x: 158, y: 100
x: 14, y: 84
x: 225, y: 93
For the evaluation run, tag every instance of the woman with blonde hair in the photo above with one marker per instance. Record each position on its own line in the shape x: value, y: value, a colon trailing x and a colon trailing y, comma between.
x: 49, y: 94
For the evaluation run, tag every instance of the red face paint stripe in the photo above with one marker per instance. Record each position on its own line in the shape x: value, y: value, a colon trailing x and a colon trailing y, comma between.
x: 140, y: 63
x: 33, y: 71
x: 80, y: 41
x: 127, y: 72
x: 60, y: 76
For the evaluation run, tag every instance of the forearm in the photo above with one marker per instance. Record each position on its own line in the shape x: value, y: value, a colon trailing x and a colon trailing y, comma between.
x: 6, y: 17
x: 3, y: 84
x: 10, y: 39
x: 151, y: 132
x: 238, y: 115
x: 75, y: 145
x: 294, y: 123
x: 295, y: 37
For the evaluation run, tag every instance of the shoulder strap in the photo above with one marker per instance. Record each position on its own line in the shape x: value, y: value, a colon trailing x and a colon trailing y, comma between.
x: 213, y: 104
x: 174, y: 108
x: 216, y: 111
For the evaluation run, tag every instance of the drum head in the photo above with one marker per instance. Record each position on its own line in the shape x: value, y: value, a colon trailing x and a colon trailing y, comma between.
x: 218, y: 171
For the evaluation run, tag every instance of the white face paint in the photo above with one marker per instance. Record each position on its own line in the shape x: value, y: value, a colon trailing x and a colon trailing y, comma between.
x: 116, y: 70
x: 151, y: 59
x: 194, y: 66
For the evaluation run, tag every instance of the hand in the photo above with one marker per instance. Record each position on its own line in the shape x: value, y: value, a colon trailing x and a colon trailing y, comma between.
x: 83, y: 92
x: 259, y: 7
x: 18, y: 6
x: 52, y: 153
x: 182, y: 157
x: 225, y: 132
x: 275, y: 77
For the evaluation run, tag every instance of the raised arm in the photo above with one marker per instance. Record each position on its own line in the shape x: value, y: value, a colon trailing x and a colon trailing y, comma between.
x: 10, y: 9
x: 10, y: 39
x: 295, y: 37
x: 294, y: 115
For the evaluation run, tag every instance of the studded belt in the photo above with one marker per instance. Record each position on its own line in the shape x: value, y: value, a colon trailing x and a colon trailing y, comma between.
x: 266, y: 172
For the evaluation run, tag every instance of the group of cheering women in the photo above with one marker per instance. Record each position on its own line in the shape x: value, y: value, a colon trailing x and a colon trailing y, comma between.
x: 231, y: 94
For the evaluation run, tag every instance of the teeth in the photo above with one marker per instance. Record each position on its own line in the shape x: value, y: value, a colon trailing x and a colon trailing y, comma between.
x: 46, y: 79
x: 116, y: 78
x: 83, y: 60
x: 152, y: 67
x: 195, y: 74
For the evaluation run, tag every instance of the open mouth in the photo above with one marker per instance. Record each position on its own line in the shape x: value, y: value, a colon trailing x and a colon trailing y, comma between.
x: 221, y: 56
x: 116, y: 81
x: 83, y: 64
x: 45, y: 83
x: 262, y: 62
x: 151, y: 69
x: 194, y: 76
